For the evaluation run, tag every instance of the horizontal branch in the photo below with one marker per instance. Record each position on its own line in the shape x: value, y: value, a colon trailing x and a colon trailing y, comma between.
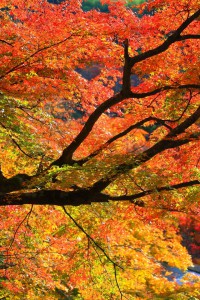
x: 80, y: 197
x: 162, y: 89
x: 189, y: 36
x: 155, y: 190
x: 52, y: 197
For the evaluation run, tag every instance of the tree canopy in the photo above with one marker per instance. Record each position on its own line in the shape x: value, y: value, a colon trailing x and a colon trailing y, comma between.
x: 96, y: 171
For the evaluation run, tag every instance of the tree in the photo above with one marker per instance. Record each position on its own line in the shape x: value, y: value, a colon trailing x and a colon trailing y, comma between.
x: 131, y: 182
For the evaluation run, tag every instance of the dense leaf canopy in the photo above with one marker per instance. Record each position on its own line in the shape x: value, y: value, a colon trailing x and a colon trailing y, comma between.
x: 99, y: 140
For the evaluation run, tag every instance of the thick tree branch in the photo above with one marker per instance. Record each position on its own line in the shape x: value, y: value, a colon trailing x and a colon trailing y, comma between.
x: 80, y: 197
x: 52, y: 197
x: 14, y: 183
x: 66, y: 157
x: 189, y: 36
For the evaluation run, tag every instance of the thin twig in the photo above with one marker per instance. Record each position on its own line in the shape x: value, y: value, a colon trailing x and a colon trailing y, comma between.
x: 99, y: 257
x: 15, y: 233
x: 117, y: 283
x: 14, y: 141
x: 90, y: 238
x: 22, y: 64
x: 19, y: 225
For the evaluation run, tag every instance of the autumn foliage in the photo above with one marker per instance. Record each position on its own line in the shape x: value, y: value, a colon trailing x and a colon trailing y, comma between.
x: 99, y: 141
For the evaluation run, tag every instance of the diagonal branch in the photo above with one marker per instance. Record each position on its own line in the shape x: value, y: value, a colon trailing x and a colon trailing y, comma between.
x: 176, y: 36
x: 19, y: 65
x: 5, y: 42
x: 66, y: 156
x: 168, y: 142
x: 121, y: 134
x: 134, y: 126
x: 139, y: 160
